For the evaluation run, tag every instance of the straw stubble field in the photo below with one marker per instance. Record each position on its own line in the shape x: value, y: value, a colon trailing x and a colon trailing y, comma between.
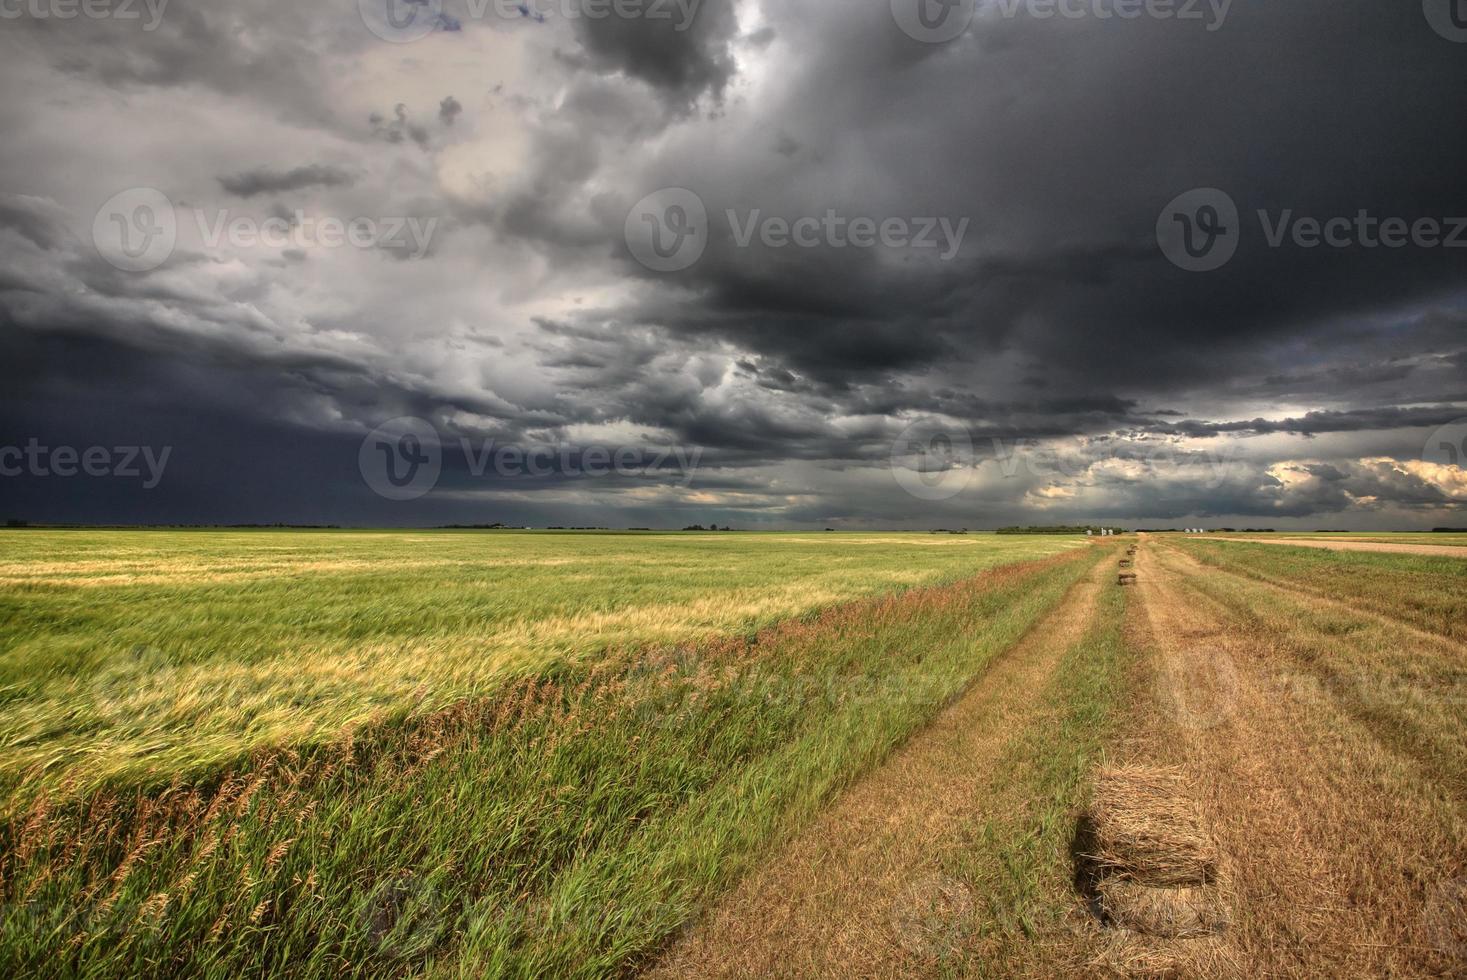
x: 395, y: 754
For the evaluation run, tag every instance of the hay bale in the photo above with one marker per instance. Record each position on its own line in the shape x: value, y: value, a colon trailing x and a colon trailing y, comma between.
x: 1147, y: 829
x: 1168, y: 913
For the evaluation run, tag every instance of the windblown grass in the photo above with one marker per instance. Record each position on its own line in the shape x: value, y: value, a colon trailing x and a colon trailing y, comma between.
x: 144, y: 655
x: 564, y: 824
x: 1020, y: 861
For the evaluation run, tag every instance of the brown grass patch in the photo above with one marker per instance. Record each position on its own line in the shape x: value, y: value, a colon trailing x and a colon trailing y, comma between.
x: 861, y: 892
x: 1328, y: 840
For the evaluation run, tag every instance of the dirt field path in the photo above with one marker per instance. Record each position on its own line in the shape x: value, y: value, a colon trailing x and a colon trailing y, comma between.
x: 1333, y: 860
x: 836, y: 900
x: 1346, y: 544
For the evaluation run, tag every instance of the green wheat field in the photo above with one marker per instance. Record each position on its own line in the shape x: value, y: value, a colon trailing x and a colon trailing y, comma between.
x: 450, y: 753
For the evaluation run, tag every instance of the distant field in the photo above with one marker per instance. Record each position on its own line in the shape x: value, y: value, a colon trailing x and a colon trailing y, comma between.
x: 123, y: 652
x: 1404, y: 537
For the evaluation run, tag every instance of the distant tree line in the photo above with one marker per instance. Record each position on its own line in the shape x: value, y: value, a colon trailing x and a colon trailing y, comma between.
x: 1058, y: 529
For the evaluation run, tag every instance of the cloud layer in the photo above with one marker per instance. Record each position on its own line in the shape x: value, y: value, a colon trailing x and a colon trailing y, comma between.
x: 1049, y: 363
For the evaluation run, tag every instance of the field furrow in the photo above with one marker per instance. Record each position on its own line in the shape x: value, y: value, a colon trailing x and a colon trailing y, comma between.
x: 1338, y: 850
x: 869, y: 889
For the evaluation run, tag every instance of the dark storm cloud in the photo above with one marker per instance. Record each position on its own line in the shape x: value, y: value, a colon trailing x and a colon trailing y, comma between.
x: 683, y: 55
x: 1056, y: 318
x: 264, y: 180
x: 1314, y: 423
x: 1063, y: 146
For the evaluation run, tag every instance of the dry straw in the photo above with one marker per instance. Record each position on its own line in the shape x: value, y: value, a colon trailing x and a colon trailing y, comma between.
x: 1154, y: 866
x: 1148, y: 830
x: 1168, y: 913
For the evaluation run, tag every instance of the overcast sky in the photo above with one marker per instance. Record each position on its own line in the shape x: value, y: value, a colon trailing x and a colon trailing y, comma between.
x: 419, y: 263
